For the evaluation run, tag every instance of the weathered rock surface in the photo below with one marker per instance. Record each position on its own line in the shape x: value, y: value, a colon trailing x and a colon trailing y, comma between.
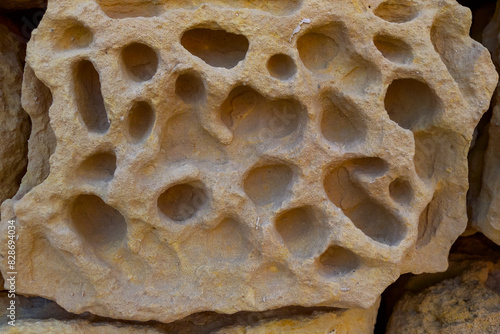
x: 352, y: 321
x: 14, y: 124
x: 467, y: 303
x: 22, y: 4
x: 233, y: 155
x: 72, y: 327
x: 37, y: 313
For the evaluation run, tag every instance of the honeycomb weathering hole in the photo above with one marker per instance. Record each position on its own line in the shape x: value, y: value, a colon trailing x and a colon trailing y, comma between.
x: 249, y: 114
x: 98, y: 223
x: 140, y: 60
x: 217, y: 48
x: 99, y: 167
x: 317, y: 51
x: 89, y: 97
x: 190, y: 88
x: 281, y: 66
x: 338, y: 261
x: 342, y: 123
x: 397, y: 11
x: 394, y: 49
x: 75, y: 37
x: 268, y: 184
x: 346, y: 191
x: 231, y: 244
x: 302, y: 230
x: 410, y: 103
x: 181, y: 202
x: 140, y: 121
x: 401, y: 191
x: 185, y: 139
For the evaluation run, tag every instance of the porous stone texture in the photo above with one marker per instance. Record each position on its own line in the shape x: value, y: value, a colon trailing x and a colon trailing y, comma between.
x: 244, y: 155
x: 468, y: 303
x: 14, y: 125
x: 351, y: 321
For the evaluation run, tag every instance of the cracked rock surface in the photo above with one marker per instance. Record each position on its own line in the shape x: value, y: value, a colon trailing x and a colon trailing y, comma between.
x: 234, y: 155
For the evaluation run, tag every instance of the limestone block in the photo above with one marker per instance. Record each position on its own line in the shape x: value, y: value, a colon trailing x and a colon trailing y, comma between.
x: 233, y: 155
x: 14, y: 123
x: 466, y: 304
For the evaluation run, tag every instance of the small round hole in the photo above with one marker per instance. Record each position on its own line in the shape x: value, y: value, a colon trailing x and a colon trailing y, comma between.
x: 99, y: 224
x: 181, y: 202
x: 190, y: 88
x: 140, y: 121
x: 74, y: 37
x: 98, y: 167
x: 401, y: 191
x: 140, y: 60
x: 394, y: 49
x: 338, y: 261
x: 281, y: 66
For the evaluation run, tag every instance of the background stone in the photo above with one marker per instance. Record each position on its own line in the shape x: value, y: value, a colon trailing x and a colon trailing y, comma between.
x: 464, y: 299
x: 22, y: 4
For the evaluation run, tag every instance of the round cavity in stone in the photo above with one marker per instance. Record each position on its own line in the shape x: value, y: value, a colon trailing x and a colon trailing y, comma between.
x: 302, y: 231
x: 190, y: 88
x: 101, y: 225
x: 338, y: 261
x: 76, y: 36
x: 401, y: 191
x: 268, y: 184
x: 141, y: 119
x: 217, y: 48
x: 281, y: 66
x: 181, y: 202
x: 317, y: 51
x: 411, y: 103
x: 99, y: 167
x: 397, y: 11
x: 394, y: 49
x: 140, y: 60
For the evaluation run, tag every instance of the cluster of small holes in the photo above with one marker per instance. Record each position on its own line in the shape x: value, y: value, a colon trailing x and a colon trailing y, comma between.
x: 414, y: 106
x: 256, y: 122
x: 303, y: 229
